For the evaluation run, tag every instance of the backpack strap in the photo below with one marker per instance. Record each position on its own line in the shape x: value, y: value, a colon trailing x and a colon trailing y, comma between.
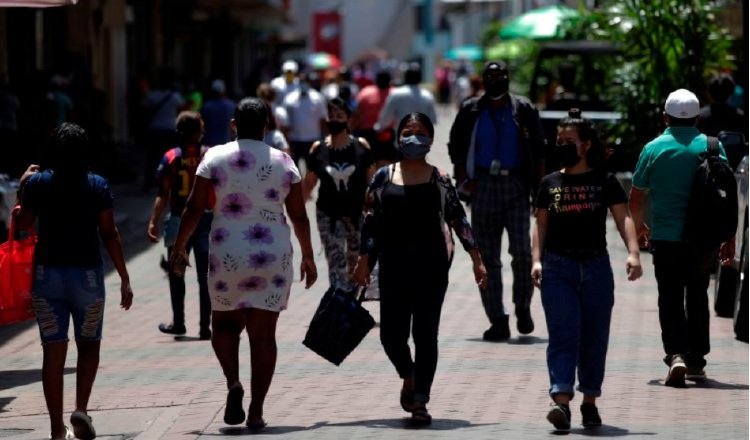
x: 712, y: 149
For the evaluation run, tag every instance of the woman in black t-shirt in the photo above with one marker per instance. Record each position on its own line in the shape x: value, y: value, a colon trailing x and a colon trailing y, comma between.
x: 344, y: 165
x: 571, y: 266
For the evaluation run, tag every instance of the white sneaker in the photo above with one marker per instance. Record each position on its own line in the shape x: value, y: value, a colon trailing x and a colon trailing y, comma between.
x: 676, y: 375
x: 82, y: 426
x: 68, y: 435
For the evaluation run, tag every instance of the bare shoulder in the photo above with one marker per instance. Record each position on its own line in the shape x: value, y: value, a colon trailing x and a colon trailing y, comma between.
x: 364, y: 143
x: 314, y: 147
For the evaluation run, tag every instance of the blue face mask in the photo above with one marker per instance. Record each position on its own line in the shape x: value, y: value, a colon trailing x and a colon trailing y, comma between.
x: 414, y: 147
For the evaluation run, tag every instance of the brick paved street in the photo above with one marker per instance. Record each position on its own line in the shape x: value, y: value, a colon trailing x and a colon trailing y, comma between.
x: 153, y: 387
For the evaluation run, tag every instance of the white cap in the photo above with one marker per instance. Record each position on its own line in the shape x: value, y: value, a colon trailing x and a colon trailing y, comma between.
x: 289, y: 66
x: 683, y: 104
x: 218, y: 86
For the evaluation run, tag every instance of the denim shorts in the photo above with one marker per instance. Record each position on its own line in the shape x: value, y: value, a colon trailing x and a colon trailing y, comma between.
x: 61, y: 292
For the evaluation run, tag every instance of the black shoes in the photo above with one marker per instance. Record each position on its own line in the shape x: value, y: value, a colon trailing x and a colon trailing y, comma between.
x: 234, y: 413
x: 172, y: 329
x: 524, y: 323
x: 498, y: 331
x: 205, y: 335
x: 590, y: 416
x: 559, y: 416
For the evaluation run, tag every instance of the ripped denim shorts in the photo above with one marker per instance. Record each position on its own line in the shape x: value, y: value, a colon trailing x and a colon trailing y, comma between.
x: 61, y: 292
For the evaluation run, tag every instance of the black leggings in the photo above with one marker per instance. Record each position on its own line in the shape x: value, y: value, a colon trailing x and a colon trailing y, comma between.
x: 410, y: 301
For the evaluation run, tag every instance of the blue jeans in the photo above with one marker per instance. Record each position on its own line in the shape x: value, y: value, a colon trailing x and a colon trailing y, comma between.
x: 578, y: 296
x: 59, y: 292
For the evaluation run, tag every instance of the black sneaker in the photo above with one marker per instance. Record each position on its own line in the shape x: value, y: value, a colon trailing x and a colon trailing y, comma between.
x: 172, y: 329
x: 695, y: 374
x: 524, y: 323
x: 498, y: 331
x: 590, y: 415
x: 559, y: 416
x: 204, y: 335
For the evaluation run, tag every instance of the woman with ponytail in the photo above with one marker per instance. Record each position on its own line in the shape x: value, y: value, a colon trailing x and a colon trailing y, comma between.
x: 572, y: 268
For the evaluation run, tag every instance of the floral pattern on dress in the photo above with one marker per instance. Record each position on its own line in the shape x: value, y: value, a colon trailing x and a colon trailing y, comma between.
x: 258, y: 234
x: 219, y: 235
x: 213, y: 264
x: 242, y: 161
x: 272, y: 194
x: 218, y: 177
x: 261, y: 260
x: 250, y: 256
x: 252, y: 284
x: 236, y: 205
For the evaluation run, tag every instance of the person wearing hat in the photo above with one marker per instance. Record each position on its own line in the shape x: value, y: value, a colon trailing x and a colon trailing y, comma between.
x: 217, y: 113
x: 497, y: 146
x: 287, y: 82
x: 666, y: 169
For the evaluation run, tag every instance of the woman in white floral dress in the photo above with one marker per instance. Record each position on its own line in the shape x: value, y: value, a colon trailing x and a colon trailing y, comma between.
x: 248, y: 184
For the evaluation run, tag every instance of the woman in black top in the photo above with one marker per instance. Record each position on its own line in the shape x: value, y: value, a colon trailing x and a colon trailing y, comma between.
x: 343, y: 164
x: 572, y: 268
x: 410, y: 210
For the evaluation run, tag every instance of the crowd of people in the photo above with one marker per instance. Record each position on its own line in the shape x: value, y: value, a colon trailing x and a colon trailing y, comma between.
x: 234, y: 182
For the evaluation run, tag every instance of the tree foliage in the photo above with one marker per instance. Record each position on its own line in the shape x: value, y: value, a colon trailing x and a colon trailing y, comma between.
x: 667, y: 44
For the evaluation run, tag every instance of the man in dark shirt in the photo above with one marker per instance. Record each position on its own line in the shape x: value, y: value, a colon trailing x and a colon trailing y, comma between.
x: 497, y: 146
x: 175, y: 175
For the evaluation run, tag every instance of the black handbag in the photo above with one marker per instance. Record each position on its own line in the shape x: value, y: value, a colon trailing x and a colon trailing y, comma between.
x: 339, y: 325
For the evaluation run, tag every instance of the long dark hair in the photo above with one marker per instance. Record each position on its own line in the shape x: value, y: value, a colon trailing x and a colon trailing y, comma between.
x: 586, y: 132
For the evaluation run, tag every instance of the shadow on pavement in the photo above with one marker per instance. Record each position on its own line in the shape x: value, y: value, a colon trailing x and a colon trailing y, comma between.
x: 707, y: 384
x: 16, y: 378
x: 521, y: 340
x: 269, y: 430
x: 7, y: 332
x: 607, y: 431
x: 405, y: 423
x: 4, y: 401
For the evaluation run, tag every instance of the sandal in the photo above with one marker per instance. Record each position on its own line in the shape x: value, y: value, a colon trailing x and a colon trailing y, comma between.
x: 68, y: 435
x: 257, y: 424
x: 420, y: 416
x: 234, y: 413
x: 83, y: 427
x: 407, y: 399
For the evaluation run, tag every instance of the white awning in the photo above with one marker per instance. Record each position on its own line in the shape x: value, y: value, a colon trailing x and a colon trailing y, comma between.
x: 35, y: 3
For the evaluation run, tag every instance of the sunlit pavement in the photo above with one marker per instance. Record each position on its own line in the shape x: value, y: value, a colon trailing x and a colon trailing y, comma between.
x: 151, y: 386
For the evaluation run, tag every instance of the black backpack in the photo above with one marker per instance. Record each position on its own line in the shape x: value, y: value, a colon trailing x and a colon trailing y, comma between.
x: 712, y: 210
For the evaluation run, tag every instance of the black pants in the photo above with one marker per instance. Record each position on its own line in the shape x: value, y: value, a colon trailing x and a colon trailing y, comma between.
x: 682, y: 277
x: 199, y: 245
x: 411, y: 299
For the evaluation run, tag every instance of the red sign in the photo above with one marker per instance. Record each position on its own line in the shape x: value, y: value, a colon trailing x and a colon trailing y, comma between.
x: 326, y: 27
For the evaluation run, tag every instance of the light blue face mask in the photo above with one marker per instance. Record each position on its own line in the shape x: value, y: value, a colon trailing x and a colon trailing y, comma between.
x: 414, y: 147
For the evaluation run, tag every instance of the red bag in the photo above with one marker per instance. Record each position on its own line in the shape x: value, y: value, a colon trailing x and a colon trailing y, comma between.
x: 16, y: 266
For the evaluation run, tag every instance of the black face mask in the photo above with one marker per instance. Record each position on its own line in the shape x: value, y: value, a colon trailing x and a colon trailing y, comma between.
x: 568, y: 154
x: 336, y: 127
x: 496, y: 88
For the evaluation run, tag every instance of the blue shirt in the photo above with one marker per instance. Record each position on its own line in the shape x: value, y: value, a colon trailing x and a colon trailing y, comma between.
x: 68, y: 213
x: 497, y: 138
x: 216, y: 114
x: 666, y: 168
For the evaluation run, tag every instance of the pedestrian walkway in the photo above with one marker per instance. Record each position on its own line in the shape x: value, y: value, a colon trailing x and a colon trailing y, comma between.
x: 151, y: 386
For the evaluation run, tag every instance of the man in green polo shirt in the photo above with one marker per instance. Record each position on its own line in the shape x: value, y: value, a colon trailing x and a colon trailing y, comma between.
x: 666, y: 169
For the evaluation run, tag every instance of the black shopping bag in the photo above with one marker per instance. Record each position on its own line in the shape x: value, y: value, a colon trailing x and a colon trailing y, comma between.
x: 339, y: 325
